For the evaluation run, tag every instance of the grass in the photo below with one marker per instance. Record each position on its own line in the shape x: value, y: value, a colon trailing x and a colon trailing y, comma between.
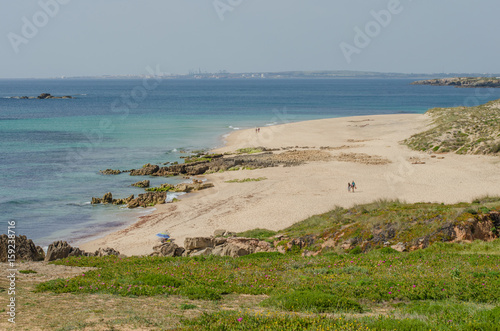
x: 440, y: 288
x: 448, y: 286
x: 312, y: 301
x: 28, y: 271
x: 257, y: 233
x: 371, y: 225
x: 461, y: 130
x: 246, y: 180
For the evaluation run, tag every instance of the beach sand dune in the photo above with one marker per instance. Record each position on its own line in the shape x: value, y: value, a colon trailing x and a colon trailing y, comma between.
x: 365, y: 149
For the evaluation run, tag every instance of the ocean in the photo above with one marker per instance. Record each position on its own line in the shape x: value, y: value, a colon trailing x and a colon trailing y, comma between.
x: 52, y: 150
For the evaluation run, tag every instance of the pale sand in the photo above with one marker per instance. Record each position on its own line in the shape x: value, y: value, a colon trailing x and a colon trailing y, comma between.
x: 292, y: 194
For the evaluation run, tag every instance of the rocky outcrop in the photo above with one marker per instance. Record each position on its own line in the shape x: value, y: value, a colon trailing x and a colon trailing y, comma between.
x: 25, y: 249
x: 106, y: 252
x: 142, y: 184
x: 49, y: 96
x: 467, y: 82
x: 479, y: 228
x: 108, y: 199
x: 146, y: 170
x: 110, y: 172
x: 60, y: 250
x: 232, y: 246
x: 43, y: 96
x: 167, y: 249
x: 252, y: 161
x: 148, y: 199
x: 400, y: 247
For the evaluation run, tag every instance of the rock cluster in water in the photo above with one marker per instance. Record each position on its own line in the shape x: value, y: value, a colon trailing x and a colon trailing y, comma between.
x: 43, y: 96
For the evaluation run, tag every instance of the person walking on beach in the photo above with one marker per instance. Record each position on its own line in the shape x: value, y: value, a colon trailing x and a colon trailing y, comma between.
x: 353, y: 186
x: 348, y: 187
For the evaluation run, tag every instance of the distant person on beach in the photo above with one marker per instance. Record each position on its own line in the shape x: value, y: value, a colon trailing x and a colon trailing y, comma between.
x: 348, y: 187
x: 353, y: 186
x: 258, y: 130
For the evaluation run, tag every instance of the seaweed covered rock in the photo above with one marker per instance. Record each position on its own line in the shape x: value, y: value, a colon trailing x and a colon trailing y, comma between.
x: 142, y: 184
x: 108, y: 199
x: 148, y: 199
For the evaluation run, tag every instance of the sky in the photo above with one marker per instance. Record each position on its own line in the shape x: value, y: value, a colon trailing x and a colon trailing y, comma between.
x: 52, y: 38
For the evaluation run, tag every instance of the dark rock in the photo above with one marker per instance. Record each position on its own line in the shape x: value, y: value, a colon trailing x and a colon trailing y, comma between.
x: 142, y: 184
x: 108, y: 198
x: 123, y: 201
x: 148, y: 199
x: 44, y: 96
x: 106, y: 252
x: 110, y: 172
x: 146, y: 170
x: 60, y: 250
x: 25, y: 249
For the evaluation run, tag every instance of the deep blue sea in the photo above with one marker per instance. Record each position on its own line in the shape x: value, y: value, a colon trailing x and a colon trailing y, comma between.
x: 51, y: 151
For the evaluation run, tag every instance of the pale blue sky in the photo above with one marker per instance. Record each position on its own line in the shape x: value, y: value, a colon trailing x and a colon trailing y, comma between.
x: 97, y: 37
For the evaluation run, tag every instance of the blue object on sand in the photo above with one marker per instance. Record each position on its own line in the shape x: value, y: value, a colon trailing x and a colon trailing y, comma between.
x: 163, y: 235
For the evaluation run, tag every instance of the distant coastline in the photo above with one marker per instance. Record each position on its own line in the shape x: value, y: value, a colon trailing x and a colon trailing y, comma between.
x: 314, y: 74
x: 463, y: 82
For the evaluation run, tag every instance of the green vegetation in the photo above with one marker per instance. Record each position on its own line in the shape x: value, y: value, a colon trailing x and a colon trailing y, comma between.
x: 370, y: 225
x: 246, y: 180
x: 250, y: 150
x: 313, y: 301
x: 461, y: 130
x: 162, y: 188
x: 201, y: 157
x: 447, y: 286
x: 440, y: 288
x: 28, y: 271
x: 257, y: 233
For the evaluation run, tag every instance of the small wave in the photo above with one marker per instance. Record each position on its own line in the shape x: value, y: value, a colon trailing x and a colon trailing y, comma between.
x: 172, y: 196
x: 79, y: 204
x: 174, y: 150
x: 271, y: 124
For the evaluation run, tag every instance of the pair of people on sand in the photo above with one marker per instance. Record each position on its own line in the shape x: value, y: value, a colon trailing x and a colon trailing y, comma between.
x: 351, y: 186
x: 257, y: 130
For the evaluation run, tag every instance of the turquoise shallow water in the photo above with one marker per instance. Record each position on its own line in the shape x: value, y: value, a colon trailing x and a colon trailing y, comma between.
x: 52, y: 150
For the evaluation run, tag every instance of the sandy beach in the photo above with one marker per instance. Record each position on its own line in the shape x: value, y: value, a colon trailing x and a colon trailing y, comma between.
x: 365, y: 149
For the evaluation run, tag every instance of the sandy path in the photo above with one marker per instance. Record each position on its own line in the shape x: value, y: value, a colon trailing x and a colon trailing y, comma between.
x: 292, y: 194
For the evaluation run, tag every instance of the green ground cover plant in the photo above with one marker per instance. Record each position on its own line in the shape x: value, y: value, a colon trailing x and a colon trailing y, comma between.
x: 461, y: 130
x: 435, y: 284
x: 447, y: 286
